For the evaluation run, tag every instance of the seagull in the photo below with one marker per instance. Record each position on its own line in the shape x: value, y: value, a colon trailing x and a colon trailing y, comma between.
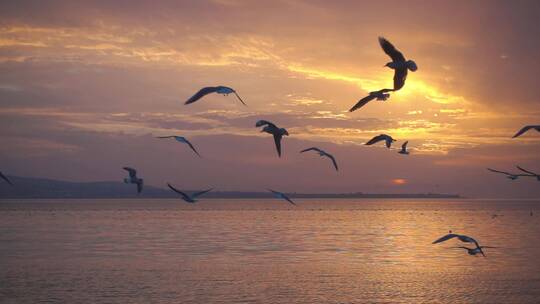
x: 208, y: 90
x: 463, y: 238
x: 474, y: 251
x: 133, y: 179
x: 387, y: 138
x: 2, y: 176
x: 525, y: 129
x: 404, y: 149
x: 182, y: 140
x: 529, y: 173
x: 189, y: 198
x: 398, y: 64
x: 282, y: 196
x: 508, y: 175
x: 323, y: 153
x: 275, y: 131
x: 378, y: 95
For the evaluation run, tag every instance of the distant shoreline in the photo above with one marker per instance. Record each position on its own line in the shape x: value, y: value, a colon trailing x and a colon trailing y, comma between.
x: 261, y: 197
x: 40, y: 188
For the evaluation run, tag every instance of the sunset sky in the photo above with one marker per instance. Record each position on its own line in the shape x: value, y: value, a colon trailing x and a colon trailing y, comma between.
x: 86, y: 87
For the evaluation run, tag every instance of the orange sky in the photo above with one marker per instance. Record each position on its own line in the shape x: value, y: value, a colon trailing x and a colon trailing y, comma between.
x: 89, y: 86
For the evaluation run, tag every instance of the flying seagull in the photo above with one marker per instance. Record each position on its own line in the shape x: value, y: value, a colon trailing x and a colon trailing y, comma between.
x: 463, y: 238
x: 275, y: 131
x: 133, y: 179
x: 2, y: 176
x: 474, y: 251
x: 387, y: 138
x: 378, y: 95
x: 208, y: 90
x: 398, y: 64
x: 182, y: 140
x: 529, y: 173
x: 189, y: 198
x: 525, y: 129
x: 404, y: 149
x: 511, y: 176
x: 282, y: 196
x: 323, y: 153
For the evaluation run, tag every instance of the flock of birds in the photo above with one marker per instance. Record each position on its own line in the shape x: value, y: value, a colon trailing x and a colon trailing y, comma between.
x: 524, y: 172
x: 400, y: 65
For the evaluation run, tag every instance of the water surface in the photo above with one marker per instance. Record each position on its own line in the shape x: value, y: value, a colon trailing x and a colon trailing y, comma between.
x: 267, y: 251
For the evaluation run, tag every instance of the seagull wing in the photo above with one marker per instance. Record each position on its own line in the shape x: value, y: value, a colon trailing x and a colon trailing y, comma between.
x: 362, y: 102
x: 390, y: 50
x: 196, y: 194
x: 282, y: 195
x: 285, y: 197
x: 400, y: 75
x: 480, y: 249
x: 166, y: 136
x: 2, y: 176
x: 523, y: 130
x: 311, y: 149
x: 404, y: 146
x: 333, y: 160
x: 445, y: 238
x: 238, y: 96
x: 277, y: 140
x: 497, y: 171
x: 132, y: 172
x: 139, y: 186
x: 184, y: 196
x: 273, y: 191
x: 202, y: 92
x: 263, y: 122
x: 191, y: 146
x: 526, y: 171
x: 375, y: 139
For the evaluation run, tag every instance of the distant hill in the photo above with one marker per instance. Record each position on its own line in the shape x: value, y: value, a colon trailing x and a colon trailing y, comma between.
x: 28, y: 187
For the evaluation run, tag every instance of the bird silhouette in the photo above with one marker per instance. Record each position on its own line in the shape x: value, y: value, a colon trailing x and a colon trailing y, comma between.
x: 271, y: 128
x: 189, y: 198
x: 209, y: 90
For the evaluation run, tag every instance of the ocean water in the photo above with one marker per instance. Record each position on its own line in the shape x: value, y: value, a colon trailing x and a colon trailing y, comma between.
x: 267, y: 251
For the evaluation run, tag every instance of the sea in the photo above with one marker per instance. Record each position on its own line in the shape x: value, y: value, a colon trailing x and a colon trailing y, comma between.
x: 268, y: 251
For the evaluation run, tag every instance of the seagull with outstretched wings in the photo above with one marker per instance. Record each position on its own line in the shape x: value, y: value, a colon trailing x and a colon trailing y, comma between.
x: 182, y: 140
x: 510, y: 176
x: 323, y: 154
x: 382, y: 137
x: 378, y: 95
x: 209, y: 90
x: 282, y: 196
x: 189, y: 198
x: 525, y: 129
x: 529, y: 173
x: 399, y: 64
x: 461, y: 237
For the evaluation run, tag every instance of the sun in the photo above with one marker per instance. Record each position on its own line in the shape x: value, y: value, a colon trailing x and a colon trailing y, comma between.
x: 399, y: 181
